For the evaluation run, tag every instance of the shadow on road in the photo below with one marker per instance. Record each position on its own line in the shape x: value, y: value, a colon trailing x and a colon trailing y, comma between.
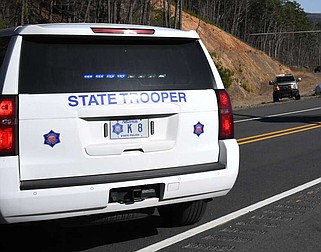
x: 51, y: 236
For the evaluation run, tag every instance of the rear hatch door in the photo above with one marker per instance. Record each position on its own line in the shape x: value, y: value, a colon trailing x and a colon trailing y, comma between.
x: 108, y: 105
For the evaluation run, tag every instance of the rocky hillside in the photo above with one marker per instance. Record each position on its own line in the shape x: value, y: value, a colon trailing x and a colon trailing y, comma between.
x: 252, y: 69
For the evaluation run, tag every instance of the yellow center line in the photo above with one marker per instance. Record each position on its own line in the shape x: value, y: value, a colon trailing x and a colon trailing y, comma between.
x: 269, y: 135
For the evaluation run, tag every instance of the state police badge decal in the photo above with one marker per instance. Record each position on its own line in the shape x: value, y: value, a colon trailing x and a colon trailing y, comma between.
x: 198, y: 129
x: 52, y: 138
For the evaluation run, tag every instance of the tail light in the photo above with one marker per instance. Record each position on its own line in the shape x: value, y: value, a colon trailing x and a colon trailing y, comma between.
x: 226, y: 124
x: 8, y: 125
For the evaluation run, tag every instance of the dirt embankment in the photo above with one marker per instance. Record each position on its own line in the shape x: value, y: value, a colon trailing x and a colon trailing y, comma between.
x: 252, y: 68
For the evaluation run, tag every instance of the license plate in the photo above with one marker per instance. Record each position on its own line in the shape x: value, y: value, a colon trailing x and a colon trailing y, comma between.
x: 125, y: 129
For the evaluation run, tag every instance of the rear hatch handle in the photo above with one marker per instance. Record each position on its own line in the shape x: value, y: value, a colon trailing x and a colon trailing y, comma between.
x: 128, y: 110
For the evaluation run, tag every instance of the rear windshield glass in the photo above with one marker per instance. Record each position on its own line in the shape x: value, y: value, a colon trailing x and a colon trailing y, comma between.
x: 4, y: 42
x: 285, y: 78
x: 96, y: 64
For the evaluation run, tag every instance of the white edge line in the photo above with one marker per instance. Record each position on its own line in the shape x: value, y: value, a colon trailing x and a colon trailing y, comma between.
x: 214, y: 223
x: 276, y: 115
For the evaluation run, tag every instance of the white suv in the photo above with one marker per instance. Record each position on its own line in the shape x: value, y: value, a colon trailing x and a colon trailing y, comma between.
x: 105, y: 120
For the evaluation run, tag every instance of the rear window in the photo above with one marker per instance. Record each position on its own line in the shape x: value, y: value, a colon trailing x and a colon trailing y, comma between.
x: 4, y: 42
x: 285, y: 78
x: 58, y: 64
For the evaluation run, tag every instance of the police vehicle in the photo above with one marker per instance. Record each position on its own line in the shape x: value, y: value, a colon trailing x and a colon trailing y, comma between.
x: 105, y: 120
x: 285, y: 85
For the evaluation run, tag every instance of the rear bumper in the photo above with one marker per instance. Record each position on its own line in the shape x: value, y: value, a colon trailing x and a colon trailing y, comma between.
x: 286, y: 93
x: 53, y: 199
x: 118, y: 177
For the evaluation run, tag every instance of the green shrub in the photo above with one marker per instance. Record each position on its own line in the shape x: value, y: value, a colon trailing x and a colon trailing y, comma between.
x: 246, y: 87
x: 225, y: 73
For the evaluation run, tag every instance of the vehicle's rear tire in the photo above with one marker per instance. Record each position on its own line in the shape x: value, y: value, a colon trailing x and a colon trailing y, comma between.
x: 298, y: 96
x: 182, y: 214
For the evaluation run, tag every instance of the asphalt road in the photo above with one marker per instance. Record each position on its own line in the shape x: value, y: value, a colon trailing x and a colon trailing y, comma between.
x: 279, y: 149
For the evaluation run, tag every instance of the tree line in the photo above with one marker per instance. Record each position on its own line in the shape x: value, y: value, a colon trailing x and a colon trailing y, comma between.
x: 20, y: 12
x: 273, y: 26
x: 269, y: 25
x: 146, y: 12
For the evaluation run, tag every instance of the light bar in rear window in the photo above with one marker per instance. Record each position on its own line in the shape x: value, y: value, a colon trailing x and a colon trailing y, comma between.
x: 123, y: 31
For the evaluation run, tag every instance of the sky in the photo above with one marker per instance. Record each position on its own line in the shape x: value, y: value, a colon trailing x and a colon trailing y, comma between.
x: 310, y: 6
